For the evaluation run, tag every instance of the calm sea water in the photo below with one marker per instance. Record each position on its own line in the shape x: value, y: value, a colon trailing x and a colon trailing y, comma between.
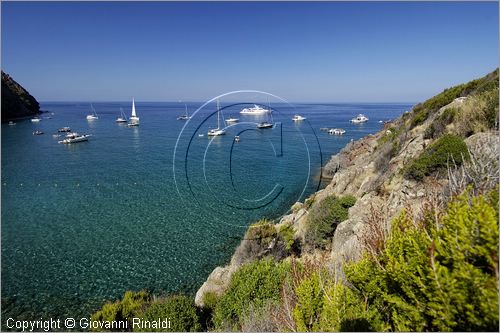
x: 153, y: 207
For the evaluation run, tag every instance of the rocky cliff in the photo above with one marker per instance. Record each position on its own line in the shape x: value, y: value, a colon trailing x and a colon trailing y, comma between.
x: 395, y: 169
x: 16, y: 101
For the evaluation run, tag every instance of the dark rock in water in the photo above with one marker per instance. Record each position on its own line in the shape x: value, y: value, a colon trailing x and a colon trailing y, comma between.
x: 16, y: 101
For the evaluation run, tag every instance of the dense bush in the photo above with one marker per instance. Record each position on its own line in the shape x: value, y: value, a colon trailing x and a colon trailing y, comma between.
x: 286, y: 233
x: 448, y: 148
x: 132, y: 305
x: 179, y: 310
x: 309, y: 305
x: 420, y: 115
x: 436, y: 275
x: 324, y: 218
x: 343, y: 310
x: 254, y: 284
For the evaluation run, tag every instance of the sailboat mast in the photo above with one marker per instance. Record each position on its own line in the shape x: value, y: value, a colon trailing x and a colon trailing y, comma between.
x: 218, y: 115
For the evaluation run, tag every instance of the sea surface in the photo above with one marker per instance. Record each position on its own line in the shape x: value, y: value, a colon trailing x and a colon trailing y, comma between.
x: 152, y: 207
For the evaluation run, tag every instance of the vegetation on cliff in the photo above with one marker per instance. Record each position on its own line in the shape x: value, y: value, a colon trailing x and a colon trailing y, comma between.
x: 178, y: 309
x: 448, y: 149
x: 16, y: 101
x: 324, y: 218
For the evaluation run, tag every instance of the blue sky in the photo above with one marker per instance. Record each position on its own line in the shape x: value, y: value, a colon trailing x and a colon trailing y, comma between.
x: 311, y: 52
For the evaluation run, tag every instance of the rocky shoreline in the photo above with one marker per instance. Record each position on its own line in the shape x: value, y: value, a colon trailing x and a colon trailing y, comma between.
x: 372, y: 170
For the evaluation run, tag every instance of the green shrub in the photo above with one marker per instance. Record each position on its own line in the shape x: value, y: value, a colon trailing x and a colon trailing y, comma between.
x: 344, y: 311
x: 210, y: 300
x: 436, y: 157
x: 132, y: 305
x: 262, y: 230
x: 435, y: 275
x: 324, y: 218
x: 179, y: 310
x: 309, y: 304
x: 254, y: 284
x: 287, y: 233
x: 419, y: 116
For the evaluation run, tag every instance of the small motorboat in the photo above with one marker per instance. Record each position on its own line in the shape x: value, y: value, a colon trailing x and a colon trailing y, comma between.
x: 232, y: 120
x: 75, y: 137
x: 216, y: 132
x: 360, y: 118
x: 237, y: 138
x: 64, y: 129
x: 36, y: 120
x: 264, y: 125
x: 37, y: 133
x: 336, y: 131
x: 298, y: 117
x: 11, y: 123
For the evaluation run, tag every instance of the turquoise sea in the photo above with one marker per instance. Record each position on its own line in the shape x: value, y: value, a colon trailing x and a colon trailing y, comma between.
x: 153, y: 207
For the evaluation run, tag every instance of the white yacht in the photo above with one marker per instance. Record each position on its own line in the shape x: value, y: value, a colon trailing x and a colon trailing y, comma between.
x: 361, y: 118
x: 92, y: 116
x: 133, y: 120
x: 122, y: 118
x: 75, y: 137
x: 11, y: 123
x: 184, y: 116
x: 298, y: 117
x: 217, y: 131
x: 255, y: 110
x: 36, y: 120
x: 336, y: 131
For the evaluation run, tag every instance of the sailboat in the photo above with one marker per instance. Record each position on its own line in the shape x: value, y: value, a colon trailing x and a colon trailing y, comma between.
x: 122, y: 118
x: 92, y: 116
x: 184, y: 116
x: 133, y: 120
x: 267, y: 124
x: 217, y: 131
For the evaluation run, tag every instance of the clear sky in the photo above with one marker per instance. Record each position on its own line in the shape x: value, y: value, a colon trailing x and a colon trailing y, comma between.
x: 311, y: 52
